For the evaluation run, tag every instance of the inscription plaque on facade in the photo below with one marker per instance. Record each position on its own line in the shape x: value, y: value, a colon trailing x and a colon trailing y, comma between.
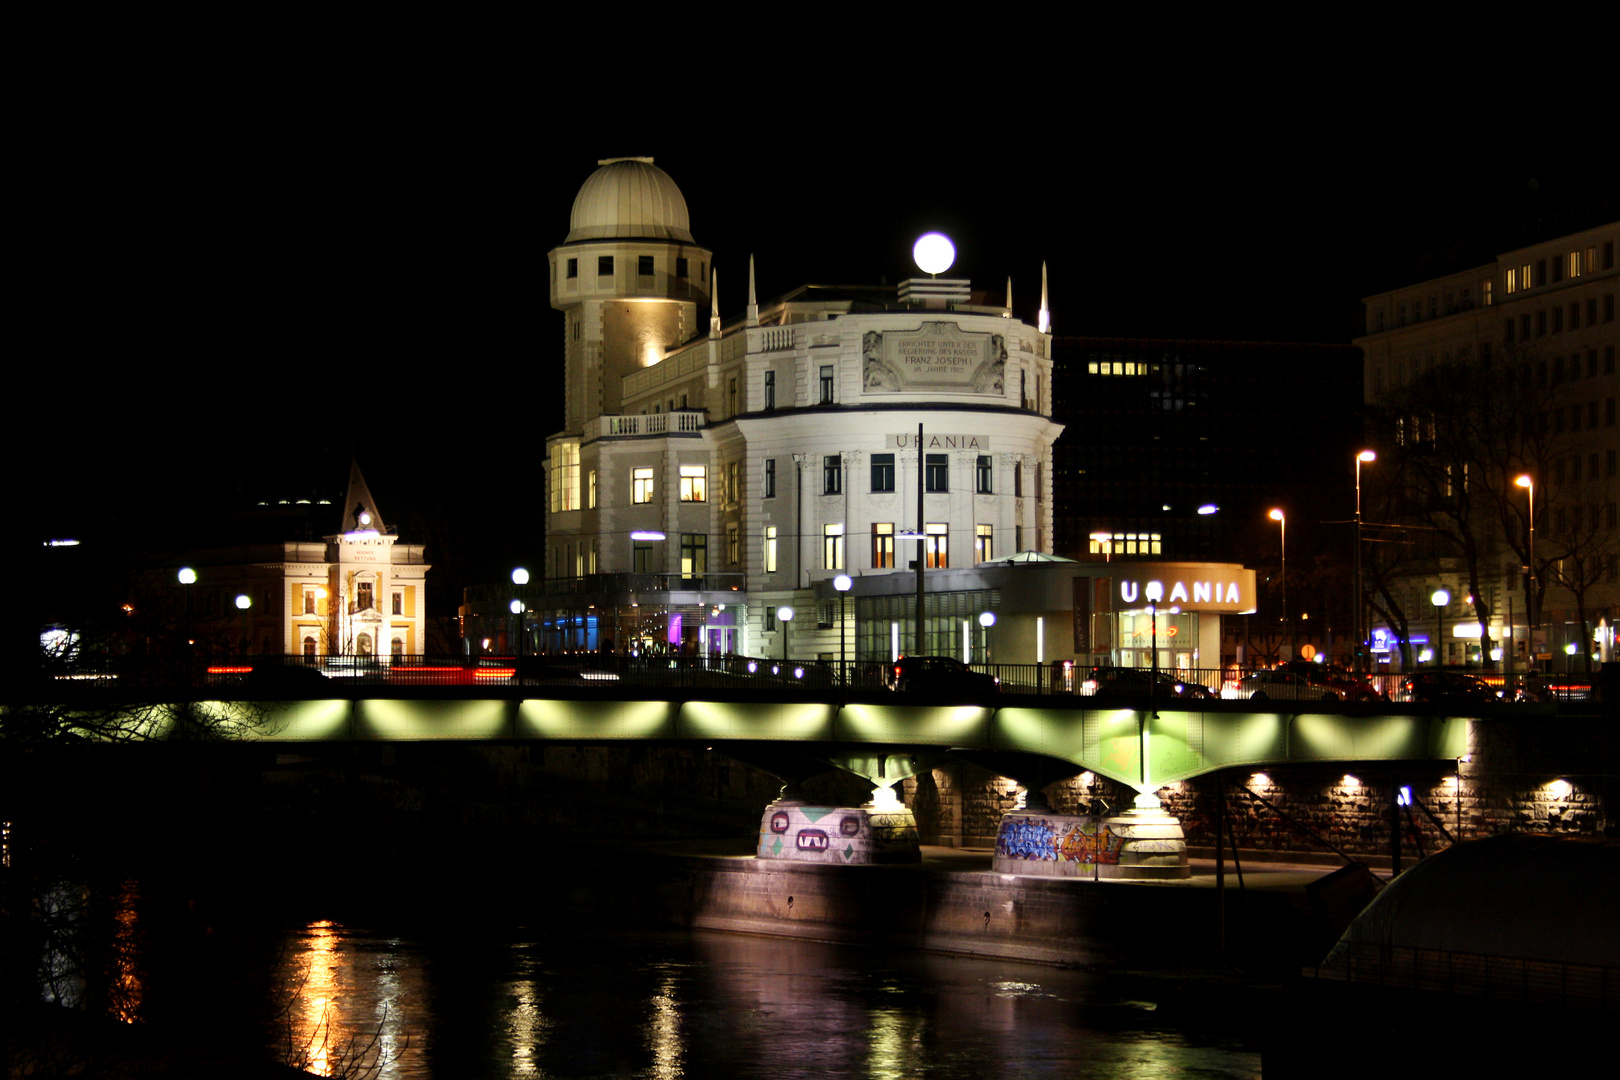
x: 938, y: 356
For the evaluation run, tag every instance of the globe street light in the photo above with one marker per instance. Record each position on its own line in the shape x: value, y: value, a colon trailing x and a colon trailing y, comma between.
x: 784, y: 615
x: 842, y: 583
x: 1529, y: 486
x: 520, y: 577
x: 243, y: 602
x: 1439, y: 599
x: 1282, y: 549
x: 1360, y: 607
x: 987, y: 619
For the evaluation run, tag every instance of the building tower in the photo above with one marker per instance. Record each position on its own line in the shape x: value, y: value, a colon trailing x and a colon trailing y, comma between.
x: 629, y: 279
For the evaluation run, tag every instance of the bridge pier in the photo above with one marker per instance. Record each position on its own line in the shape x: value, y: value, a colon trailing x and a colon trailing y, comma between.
x: 1142, y: 843
x: 882, y: 831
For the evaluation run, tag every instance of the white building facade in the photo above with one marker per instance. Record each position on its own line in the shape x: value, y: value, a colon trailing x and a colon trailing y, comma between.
x: 702, y: 481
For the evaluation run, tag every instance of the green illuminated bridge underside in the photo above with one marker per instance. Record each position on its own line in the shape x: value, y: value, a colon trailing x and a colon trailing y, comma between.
x: 1180, y: 744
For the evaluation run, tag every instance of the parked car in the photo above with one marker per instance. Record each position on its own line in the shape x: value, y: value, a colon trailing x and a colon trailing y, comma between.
x: 1446, y: 687
x: 1346, y: 683
x: 940, y: 675
x: 1104, y: 681
x: 1285, y: 686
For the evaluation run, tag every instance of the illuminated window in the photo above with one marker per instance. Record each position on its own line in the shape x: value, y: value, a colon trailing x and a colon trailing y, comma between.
x: 1512, y: 280
x: 1524, y: 276
x: 983, y: 475
x: 934, y: 545
x: 832, y: 475
x: 644, y: 266
x: 564, y: 476
x: 883, y: 545
x: 1485, y: 291
x: 641, y: 485
x: 362, y: 596
x: 604, y: 266
x: 694, y: 555
x: 694, y: 483
x: 938, y: 471
x: 592, y: 489
x: 309, y: 601
x: 399, y: 603
x: 983, y: 543
x: 770, y: 549
x: 882, y: 472
x: 832, y: 547
x: 770, y: 479
x: 573, y: 268
x: 591, y: 566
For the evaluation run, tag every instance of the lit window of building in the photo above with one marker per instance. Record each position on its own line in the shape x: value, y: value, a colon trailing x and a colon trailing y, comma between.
x: 694, y: 483
x: 641, y: 485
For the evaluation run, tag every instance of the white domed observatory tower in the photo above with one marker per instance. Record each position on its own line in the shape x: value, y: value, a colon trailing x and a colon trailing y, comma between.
x: 629, y: 280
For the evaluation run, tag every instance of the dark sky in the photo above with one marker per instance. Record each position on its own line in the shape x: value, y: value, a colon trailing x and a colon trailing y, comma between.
x: 234, y: 285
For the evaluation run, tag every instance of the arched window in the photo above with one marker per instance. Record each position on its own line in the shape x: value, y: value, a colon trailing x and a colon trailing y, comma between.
x: 362, y: 645
x: 397, y: 647
x: 309, y: 646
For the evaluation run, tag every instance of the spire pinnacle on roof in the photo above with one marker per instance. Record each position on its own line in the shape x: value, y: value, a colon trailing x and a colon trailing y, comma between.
x: 714, y: 302
x: 753, y: 297
x: 1044, y: 324
x: 1008, y: 313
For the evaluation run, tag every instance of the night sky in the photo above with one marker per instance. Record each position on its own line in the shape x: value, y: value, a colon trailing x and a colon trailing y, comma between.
x: 234, y: 286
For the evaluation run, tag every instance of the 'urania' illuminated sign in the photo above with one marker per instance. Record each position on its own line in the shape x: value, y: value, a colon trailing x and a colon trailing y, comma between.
x: 1195, y: 586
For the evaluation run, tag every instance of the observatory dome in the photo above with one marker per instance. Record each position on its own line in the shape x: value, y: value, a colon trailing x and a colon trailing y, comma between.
x: 629, y: 198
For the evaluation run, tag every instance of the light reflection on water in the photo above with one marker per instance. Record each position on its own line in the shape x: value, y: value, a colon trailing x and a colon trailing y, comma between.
x: 675, y: 1006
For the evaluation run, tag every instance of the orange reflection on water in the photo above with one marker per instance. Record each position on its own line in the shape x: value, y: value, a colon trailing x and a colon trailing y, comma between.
x: 320, y: 1022
x: 127, y: 987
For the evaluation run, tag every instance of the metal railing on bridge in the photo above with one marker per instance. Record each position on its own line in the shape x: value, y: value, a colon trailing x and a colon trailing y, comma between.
x: 311, y: 675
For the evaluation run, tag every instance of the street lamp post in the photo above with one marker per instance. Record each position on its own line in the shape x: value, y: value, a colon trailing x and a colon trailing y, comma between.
x: 987, y: 619
x: 1533, y: 612
x: 1440, y: 598
x: 784, y: 615
x: 1360, y: 606
x: 243, y: 602
x: 842, y: 583
x: 1282, y: 549
x: 520, y: 578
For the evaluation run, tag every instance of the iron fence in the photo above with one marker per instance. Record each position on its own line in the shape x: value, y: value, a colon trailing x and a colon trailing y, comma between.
x: 1125, y: 685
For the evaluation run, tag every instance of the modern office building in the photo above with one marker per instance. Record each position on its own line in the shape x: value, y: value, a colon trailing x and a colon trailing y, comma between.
x: 1543, y: 316
x: 1176, y: 449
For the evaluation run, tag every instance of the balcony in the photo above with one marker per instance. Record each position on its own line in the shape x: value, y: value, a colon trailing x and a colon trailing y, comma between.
x: 685, y: 422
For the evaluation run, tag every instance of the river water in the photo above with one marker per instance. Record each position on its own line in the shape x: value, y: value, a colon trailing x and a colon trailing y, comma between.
x: 479, y: 1001
x: 463, y: 991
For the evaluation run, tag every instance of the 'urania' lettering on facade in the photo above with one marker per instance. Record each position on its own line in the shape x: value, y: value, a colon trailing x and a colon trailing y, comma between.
x: 938, y: 442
